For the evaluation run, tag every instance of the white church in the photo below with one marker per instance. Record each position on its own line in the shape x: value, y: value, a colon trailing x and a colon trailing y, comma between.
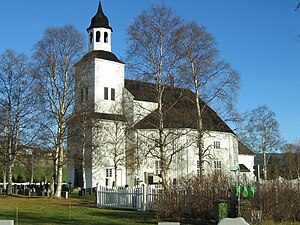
x: 112, y: 139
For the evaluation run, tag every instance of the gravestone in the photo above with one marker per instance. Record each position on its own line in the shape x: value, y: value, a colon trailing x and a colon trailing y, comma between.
x: 235, y: 221
x: 64, y: 194
x: 168, y: 223
x: 6, y: 222
x: 20, y: 191
x: 27, y: 192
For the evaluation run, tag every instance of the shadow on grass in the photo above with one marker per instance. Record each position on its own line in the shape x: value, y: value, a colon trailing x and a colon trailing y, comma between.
x: 128, y: 215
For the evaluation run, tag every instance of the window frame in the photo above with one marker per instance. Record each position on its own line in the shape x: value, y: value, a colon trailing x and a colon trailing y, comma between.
x: 157, y: 168
x: 217, y: 145
x: 108, y: 172
x: 217, y: 164
x: 113, y: 94
x: 105, y: 93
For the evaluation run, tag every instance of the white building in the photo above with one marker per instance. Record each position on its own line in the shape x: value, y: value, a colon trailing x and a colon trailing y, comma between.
x: 113, y: 133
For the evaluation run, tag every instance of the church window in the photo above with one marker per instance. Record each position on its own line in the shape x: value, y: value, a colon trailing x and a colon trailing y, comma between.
x: 98, y: 36
x: 217, y: 164
x: 113, y: 94
x: 157, y: 167
x: 105, y: 37
x: 81, y: 95
x: 106, y: 93
x: 86, y: 94
x: 91, y: 37
x: 108, y: 172
x: 217, y: 145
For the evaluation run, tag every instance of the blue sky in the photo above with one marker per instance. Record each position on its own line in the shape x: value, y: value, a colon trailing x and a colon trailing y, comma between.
x: 258, y: 37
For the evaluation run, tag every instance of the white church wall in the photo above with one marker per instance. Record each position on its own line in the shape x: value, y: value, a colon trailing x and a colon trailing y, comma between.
x: 128, y: 106
x: 84, y: 85
x: 248, y: 161
x: 184, y: 161
x: 142, y: 109
x: 222, y: 153
x: 135, y: 110
x: 108, y: 144
x: 110, y: 75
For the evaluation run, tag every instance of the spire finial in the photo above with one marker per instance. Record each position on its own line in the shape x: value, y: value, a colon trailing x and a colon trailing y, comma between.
x: 100, y: 11
x: 99, y: 20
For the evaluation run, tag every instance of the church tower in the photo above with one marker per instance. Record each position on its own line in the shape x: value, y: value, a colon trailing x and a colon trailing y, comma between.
x: 99, y: 74
x: 97, y: 125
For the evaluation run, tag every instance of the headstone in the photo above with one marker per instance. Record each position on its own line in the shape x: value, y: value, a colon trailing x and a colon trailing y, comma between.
x: 82, y: 192
x: 27, y: 192
x: 6, y: 222
x: 20, y: 191
x: 235, y: 221
x: 168, y: 223
x: 64, y: 194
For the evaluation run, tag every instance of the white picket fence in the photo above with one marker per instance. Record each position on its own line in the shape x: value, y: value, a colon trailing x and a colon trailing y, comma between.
x: 136, y: 198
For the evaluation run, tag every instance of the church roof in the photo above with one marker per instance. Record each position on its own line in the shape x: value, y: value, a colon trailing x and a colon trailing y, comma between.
x: 100, y: 54
x: 244, y: 168
x: 244, y: 150
x: 99, y: 20
x: 141, y: 91
x: 179, y: 108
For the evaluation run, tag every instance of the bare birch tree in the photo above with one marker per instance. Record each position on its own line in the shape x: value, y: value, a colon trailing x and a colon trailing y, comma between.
x: 17, y: 103
x: 291, y: 160
x: 151, y: 58
x: 261, y: 133
x: 213, y: 81
x: 55, y: 55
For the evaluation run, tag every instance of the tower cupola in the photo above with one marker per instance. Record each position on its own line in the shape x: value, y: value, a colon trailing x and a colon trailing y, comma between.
x: 99, y: 32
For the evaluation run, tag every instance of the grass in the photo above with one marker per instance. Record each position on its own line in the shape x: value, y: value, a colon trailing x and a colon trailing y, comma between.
x: 49, y: 211
x: 75, y: 210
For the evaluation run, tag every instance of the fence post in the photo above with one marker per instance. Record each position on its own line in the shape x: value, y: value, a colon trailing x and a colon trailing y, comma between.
x: 144, y: 193
x: 97, y: 194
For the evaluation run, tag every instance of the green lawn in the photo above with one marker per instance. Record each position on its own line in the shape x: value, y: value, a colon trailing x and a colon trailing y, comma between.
x: 75, y: 210
x: 48, y: 211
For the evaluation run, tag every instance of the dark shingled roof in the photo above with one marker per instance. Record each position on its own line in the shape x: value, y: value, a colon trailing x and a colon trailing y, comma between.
x: 179, y: 108
x: 244, y: 168
x: 100, y: 54
x: 243, y: 149
x: 99, y: 20
x: 141, y: 91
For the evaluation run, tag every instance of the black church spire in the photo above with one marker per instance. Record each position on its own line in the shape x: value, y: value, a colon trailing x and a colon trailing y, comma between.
x: 99, y: 20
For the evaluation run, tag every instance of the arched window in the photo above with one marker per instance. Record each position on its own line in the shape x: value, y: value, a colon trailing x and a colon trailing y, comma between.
x: 98, y: 36
x: 105, y: 37
x: 91, y: 37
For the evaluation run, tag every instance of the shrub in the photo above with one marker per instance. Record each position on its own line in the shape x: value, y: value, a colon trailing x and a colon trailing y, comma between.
x: 278, y: 200
x: 193, y: 197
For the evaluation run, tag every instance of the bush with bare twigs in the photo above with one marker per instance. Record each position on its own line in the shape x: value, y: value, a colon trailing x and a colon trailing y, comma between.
x: 194, y: 198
